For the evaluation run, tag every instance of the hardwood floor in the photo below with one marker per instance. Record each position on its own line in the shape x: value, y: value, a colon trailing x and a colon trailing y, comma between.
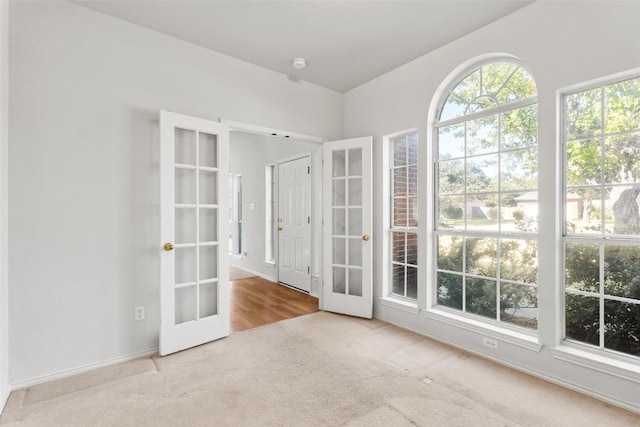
x: 256, y: 302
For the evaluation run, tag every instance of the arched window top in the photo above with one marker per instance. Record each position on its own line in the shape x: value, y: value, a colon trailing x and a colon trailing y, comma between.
x: 488, y: 86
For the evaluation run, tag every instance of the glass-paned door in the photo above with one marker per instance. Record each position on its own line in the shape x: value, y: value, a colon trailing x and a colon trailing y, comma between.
x: 194, y: 304
x: 347, y: 227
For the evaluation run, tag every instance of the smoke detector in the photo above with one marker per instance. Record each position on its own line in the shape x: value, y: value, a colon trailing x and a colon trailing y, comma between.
x: 298, y: 63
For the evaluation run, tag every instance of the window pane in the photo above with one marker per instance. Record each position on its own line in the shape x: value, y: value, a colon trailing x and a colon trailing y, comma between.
x: 355, y: 161
x: 622, y: 327
x: 583, y: 162
x: 398, y: 278
x: 451, y: 141
x: 518, y: 128
x: 412, y: 148
x: 482, y: 212
x: 449, y: 253
x: 412, y: 282
x: 519, y: 169
x: 412, y: 212
x: 399, y: 151
x: 584, y: 211
x: 400, y: 211
x: 520, y: 86
x: 519, y: 260
x: 469, y: 88
x: 622, y: 215
x: 582, y: 267
x: 412, y: 180
x: 519, y: 305
x: 582, y: 319
x: 622, y: 271
x: 451, y: 212
x: 482, y: 174
x: 519, y: 212
x: 622, y: 158
x: 496, y: 75
x: 450, y: 290
x: 481, y: 256
x: 412, y: 248
x: 480, y: 297
x: 400, y: 181
x: 482, y: 136
x: 584, y: 116
x: 451, y: 177
x: 622, y: 109
x: 398, y: 250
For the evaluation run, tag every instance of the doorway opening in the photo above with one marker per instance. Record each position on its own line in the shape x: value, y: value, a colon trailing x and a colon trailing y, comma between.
x: 281, y: 239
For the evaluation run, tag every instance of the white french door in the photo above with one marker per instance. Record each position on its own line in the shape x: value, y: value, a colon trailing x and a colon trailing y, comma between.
x: 347, y: 193
x: 294, y: 223
x: 194, y: 297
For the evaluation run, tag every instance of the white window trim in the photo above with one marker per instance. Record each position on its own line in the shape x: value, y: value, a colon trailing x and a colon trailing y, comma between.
x: 520, y: 336
x: 577, y: 353
x: 389, y: 298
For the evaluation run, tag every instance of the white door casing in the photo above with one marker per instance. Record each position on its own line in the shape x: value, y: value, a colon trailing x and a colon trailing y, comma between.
x: 194, y: 294
x: 294, y: 223
x: 347, y: 225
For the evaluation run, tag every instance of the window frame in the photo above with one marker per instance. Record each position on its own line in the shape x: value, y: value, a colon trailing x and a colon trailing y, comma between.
x: 435, y: 310
x: 573, y: 350
x: 389, y: 297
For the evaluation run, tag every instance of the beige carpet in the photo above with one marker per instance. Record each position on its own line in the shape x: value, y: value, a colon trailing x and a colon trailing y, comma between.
x: 316, y: 370
x: 236, y: 273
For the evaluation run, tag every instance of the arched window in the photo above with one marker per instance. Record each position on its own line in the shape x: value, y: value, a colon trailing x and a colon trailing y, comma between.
x: 486, y: 199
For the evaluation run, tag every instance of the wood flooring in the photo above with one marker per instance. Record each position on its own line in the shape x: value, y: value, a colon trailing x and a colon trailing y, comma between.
x: 256, y: 302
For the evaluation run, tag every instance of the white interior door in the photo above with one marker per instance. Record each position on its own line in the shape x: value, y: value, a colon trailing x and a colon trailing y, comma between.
x: 347, y: 192
x: 194, y: 298
x: 294, y: 223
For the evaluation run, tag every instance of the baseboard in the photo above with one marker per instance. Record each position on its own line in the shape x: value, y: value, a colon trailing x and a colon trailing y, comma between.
x: 4, y: 396
x: 544, y: 376
x: 257, y: 273
x: 82, y: 369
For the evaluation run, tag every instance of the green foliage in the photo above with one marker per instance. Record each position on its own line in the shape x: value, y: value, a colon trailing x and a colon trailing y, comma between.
x: 453, y: 212
x: 622, y: 279
x: 518, y: 214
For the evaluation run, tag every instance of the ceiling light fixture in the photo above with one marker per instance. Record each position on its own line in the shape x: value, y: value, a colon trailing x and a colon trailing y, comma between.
x: 298, y: 63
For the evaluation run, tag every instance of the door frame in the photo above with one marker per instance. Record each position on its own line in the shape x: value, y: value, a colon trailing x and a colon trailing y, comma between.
x: 316, y: 199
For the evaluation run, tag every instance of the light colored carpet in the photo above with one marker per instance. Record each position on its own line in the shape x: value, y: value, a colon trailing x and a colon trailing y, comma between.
x: 236, y: 273
x: 316, y: 370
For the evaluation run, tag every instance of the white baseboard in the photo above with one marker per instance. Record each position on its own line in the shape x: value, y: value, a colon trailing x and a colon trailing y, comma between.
x: 257, y: 273
x: 82, y: 369
x: 4, y: 396
x: 552, y: 379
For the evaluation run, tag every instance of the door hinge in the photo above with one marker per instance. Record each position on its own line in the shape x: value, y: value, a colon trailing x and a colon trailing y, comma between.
x: 308, y: 220
x: 308, y: 169
x: 308, y: 270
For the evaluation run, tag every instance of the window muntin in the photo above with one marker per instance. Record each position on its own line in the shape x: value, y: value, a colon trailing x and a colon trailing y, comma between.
x: 486, y: 182
x: 403, y: 227
x: 602, y: 223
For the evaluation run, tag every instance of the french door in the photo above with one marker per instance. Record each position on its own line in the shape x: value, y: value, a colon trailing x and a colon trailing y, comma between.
x: 194, y: 297
x: 347, y: 261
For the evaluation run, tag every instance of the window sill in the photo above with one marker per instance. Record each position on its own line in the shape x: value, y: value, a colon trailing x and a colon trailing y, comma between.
x: 520, y: 339
x: 407, y: 306
x: 597, y: 362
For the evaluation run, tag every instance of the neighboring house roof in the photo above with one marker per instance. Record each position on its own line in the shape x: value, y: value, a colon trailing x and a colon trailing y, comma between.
x: 533, y: 196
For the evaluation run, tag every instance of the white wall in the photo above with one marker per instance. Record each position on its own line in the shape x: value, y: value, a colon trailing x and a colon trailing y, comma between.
x: 86, y: 90
x: 563, y: 43
x: 4, y: 202
x: 250, y: 153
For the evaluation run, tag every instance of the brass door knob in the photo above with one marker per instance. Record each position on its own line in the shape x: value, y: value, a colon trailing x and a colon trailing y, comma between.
x: 279, y: 228
x: 168, y: 247
x: 365, y: 237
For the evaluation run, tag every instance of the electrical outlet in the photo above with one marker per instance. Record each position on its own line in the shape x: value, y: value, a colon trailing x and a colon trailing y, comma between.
x: 491, y: 343
x: 138, y: 313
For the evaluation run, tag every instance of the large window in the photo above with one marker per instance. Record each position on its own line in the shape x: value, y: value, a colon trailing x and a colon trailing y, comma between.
x: 486, y: 195
x: 403, y: 227
x: 601, y: 215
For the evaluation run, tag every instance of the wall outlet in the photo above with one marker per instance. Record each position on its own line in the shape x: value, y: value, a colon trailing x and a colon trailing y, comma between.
x: 138, y: 313
x: 489, y: 342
